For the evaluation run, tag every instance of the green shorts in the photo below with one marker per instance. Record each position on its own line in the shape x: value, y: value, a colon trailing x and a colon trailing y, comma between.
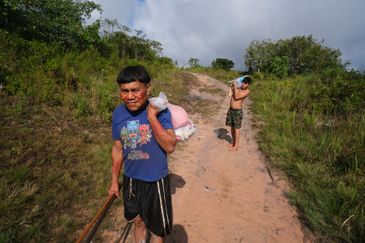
x: 234, y: 118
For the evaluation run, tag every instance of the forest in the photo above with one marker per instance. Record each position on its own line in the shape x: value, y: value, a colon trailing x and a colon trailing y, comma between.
x: 58, y: 90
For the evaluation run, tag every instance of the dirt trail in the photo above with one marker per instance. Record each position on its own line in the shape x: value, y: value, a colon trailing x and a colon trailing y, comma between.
x: 226, y: 196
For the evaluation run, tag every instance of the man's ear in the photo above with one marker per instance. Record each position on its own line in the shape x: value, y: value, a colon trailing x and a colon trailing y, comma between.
x: 149, y: 88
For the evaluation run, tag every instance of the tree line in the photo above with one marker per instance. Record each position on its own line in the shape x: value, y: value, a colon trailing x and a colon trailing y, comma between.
x: 63, y: 22
x: 50, y: 54
x: 286, y: 57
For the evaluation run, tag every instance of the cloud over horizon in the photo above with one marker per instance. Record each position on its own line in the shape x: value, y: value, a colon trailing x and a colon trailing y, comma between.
x: 207, y: 29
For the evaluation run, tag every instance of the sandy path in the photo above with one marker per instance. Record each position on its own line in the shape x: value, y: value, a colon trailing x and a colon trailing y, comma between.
x: 221, y: 195
x: 227, y: 196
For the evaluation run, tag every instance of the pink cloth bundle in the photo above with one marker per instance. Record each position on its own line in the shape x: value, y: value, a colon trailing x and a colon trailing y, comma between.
x: 183, y: 126
x: 181, y: 122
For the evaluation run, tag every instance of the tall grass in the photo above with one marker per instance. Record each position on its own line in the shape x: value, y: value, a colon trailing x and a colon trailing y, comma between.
x: 316, y: 134
x: 55, y: 136
x: 56, y: 144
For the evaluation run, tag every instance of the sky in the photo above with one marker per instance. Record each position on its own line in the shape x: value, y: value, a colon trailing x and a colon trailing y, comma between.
x: 210, y: 29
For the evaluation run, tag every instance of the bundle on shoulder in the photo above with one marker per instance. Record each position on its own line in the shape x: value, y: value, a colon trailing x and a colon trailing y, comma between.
x: 183, y: 126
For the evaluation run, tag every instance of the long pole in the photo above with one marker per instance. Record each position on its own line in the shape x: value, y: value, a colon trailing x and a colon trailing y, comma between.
x: 98, y: 217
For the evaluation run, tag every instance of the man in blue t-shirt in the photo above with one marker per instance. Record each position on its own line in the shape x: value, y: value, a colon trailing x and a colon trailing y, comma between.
x: 142, y: 138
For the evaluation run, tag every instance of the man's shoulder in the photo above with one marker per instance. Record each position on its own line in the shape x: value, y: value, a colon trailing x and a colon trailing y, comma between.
x: 166, y: 112
x: 119, y: 110
x: 120, y: 107
x: 165, y: 118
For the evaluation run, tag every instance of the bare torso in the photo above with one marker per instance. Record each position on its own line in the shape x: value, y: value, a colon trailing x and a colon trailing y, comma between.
x: 236, y: 104
x: 238, y: 97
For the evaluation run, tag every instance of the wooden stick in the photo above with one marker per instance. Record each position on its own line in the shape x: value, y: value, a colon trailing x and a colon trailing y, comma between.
x: 102, y: 211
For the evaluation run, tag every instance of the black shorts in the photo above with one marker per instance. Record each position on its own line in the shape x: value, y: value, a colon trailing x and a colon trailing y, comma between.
x: 151, y: 201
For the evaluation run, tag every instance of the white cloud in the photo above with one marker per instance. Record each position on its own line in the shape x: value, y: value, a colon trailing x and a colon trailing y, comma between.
x: 207, y: 29
x: 123, y: 11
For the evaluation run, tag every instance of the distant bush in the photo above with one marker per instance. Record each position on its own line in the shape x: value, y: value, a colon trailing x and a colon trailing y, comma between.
x: 296, y: 55
x: 223, y: 63
x: 338, y: 94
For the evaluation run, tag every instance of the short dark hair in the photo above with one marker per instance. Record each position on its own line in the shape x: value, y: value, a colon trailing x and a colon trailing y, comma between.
x: 247, y: 79
x: 133, y: 73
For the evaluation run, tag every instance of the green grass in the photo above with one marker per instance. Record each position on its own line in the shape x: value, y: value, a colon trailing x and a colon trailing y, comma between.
x: 321, y: 150
x: 53, y: 167
x: 56, y: 108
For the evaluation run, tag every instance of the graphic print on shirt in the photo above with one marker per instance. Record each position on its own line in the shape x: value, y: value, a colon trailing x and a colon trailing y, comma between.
x: 133, y: 135
x: 145, y: 133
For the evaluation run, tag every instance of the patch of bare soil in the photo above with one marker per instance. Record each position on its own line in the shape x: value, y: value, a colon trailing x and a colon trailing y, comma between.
x: 221, y: 195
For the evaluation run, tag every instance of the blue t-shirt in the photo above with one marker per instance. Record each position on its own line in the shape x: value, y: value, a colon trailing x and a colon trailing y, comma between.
x: 143, y: 157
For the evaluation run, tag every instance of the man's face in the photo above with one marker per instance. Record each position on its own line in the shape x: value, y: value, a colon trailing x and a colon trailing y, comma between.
x: 244, y: 85
x: 134, y: 95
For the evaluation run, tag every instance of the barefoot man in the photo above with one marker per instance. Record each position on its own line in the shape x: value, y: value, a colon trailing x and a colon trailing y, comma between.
x: 238, y: 92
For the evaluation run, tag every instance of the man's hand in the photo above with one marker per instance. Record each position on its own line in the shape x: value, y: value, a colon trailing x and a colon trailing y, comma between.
x: 233, y: 89
x: 114, y: 190
x: 152, y: 112
x: 165, y: 138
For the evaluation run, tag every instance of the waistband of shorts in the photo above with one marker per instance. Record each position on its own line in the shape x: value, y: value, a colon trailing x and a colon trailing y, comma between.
x: 231, y: 109
x: 147, y: 182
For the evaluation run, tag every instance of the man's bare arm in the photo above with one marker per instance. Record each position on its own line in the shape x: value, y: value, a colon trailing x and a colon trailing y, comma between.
x: 239, y: 93
x: 165, y: 138
x: 117, y: 162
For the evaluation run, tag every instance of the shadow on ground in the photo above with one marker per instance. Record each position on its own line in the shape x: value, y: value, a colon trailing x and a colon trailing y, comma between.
x: 178, y: 235
x: 176, y: 181
x: 223, y: 134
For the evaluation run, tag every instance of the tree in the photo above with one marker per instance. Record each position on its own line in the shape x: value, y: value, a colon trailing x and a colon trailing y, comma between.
x: 61, y: 21
x: 258, y: 55
x: 279, y: 66
x: 223, y: 63
x: 128, y: 46
x: 299, y: 55
x: 193, y: 62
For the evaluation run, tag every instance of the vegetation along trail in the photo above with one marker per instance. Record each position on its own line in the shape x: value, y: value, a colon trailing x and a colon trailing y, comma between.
x: 221, y: 195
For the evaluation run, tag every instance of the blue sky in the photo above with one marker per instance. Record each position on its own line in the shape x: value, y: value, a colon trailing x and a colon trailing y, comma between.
x: 207, y: 29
